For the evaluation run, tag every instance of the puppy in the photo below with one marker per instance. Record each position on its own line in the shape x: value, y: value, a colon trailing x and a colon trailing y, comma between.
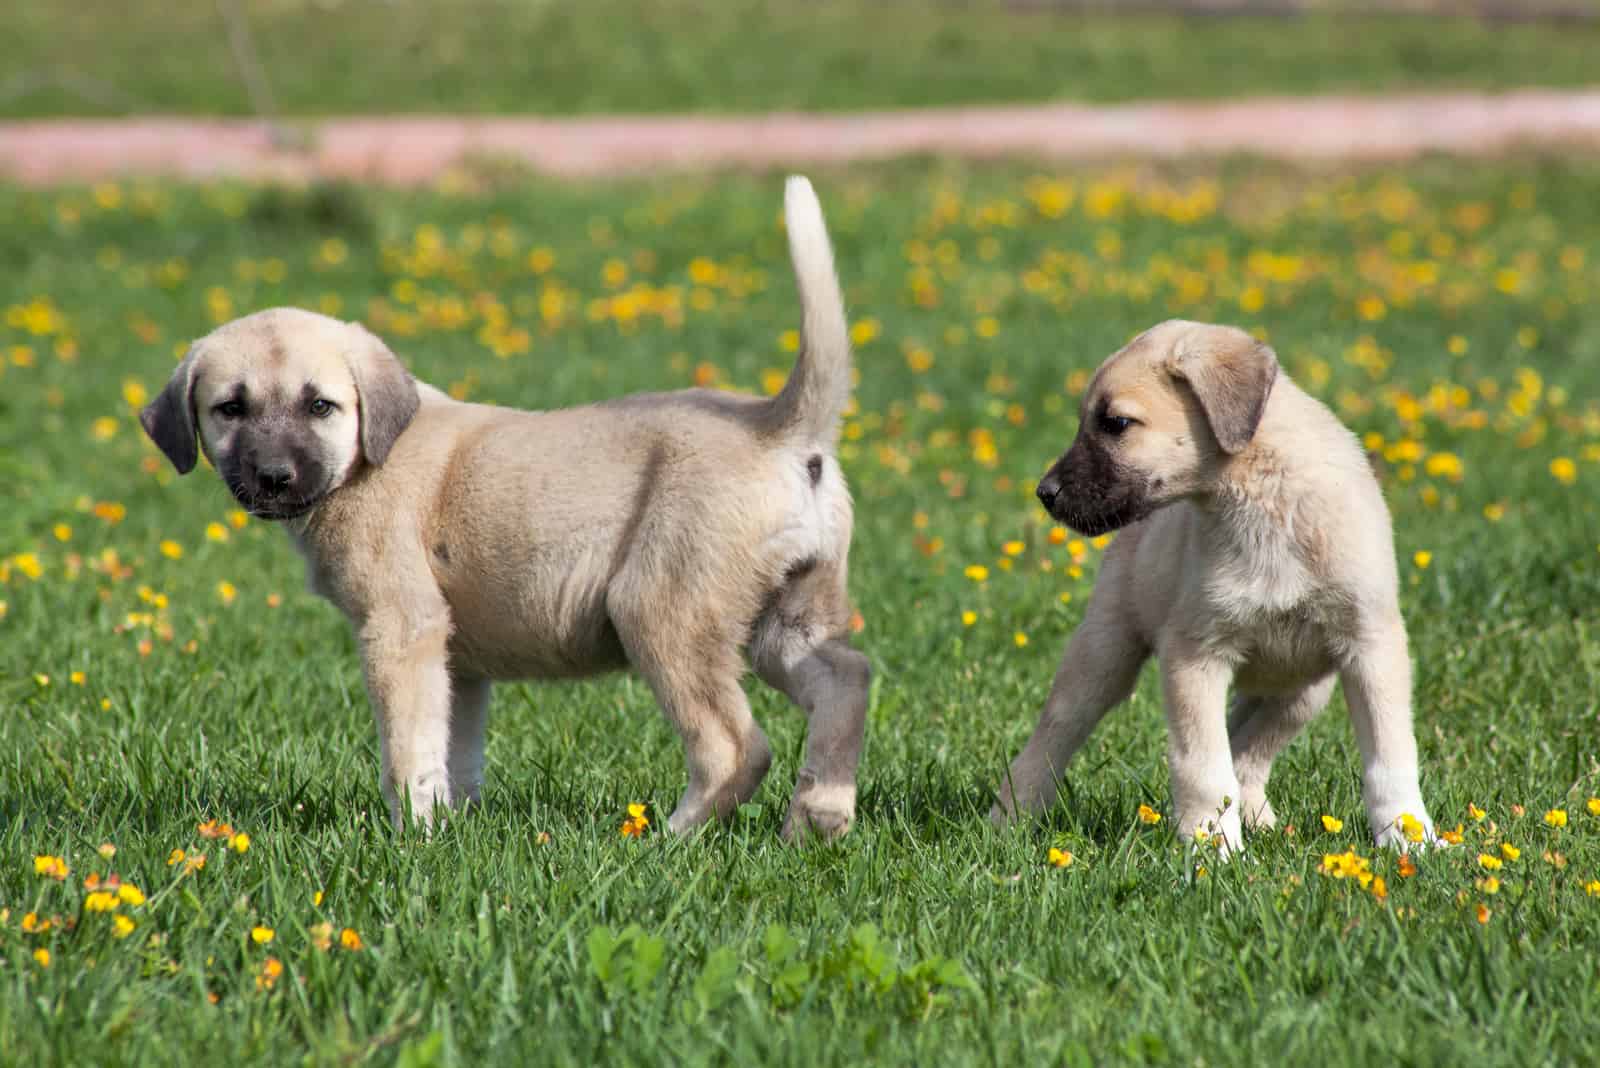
x: 1255, y: 550
x: 670, y: 533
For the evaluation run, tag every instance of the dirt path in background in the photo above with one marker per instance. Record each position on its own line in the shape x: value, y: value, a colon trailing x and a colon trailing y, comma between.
x: 420, y: 150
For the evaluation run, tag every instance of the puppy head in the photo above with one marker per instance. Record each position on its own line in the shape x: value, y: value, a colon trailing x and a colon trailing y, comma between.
x: 1159, y: 420
x: 286, y: 404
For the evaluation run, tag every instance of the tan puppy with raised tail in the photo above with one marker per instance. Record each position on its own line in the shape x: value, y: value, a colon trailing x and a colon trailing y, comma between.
x: 667, y: 532
x: 1256, y: 550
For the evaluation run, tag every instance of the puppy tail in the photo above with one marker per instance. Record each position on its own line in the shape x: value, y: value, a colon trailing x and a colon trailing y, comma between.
x: 814, y: 398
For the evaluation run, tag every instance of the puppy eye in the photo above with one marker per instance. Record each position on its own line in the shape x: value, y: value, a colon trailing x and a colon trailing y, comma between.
x: 322, y: 407
x: 1115, y: 424
x: 230, y: 409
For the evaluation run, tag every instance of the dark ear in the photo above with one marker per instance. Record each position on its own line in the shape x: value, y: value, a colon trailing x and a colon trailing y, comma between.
x: 387, y: 394
x: 169, y: 419
x: 1231, y: 374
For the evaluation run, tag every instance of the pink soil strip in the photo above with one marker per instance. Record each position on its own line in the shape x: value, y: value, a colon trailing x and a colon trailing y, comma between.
x: 419, y: 150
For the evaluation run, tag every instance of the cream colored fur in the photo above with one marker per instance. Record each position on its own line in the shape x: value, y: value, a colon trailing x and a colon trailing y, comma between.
x: 669, y: 533
x: 1269, y: 567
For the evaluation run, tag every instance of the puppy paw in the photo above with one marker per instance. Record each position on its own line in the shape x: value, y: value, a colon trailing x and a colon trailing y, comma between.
x: 1220, y: 829
x: 825, y: 812
x: 1405, y: 830
x: 1256, y: 812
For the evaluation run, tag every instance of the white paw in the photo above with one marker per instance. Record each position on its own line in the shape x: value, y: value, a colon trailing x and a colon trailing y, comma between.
x: 1220, y: 830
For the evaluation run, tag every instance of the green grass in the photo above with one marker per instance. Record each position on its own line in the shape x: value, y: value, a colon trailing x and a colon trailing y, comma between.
x: 567, y: 57
x: 924, y: 937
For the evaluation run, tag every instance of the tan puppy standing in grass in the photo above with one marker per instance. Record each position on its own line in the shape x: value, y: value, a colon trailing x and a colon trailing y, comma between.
x: 667, y: 532
x: 1256, y: 551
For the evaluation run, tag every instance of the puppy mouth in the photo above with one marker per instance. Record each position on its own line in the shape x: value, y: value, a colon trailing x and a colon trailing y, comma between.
x: 275, y: 509
x: 1094, y: 524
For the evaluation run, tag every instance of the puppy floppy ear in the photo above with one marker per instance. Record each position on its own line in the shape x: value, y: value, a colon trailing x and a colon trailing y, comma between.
x: 169, y: 419
x: 386, y: 392
x: 1231, y: 374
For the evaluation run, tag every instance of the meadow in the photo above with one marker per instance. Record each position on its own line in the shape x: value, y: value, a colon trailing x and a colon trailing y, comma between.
x: 329, y: 57
x: 194, y: 859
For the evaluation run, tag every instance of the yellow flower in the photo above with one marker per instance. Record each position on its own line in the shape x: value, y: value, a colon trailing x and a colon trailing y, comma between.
x: 1592, y: 888
x: 1475, y: 812
x: 636, y: 823
x: 349, y: 939
x: 62, y: 532
x: 1331, y: 825
x: 1020, y: 638
x: 968, y: 618
x: 54, y: 867
x: 1556, y: 817
x: 238, y: 518
x: 171, y: 549
x: 78, y: 678
x: 262, y: 935
x: 1013, y: 548
x: 1593, y: 805
x: 1149, y: 816
x: 1454, y: 837
x: 121, y: 926
x: 106, y: 849
x: 216, y: 532
x: 226, y: 592
x: 1494, y: 512
x: 175, y: 857
x: 42, y: 956
x: 1422, y: 558
x: 1483, y: 913
x: 130, y: 894
x: 316, y: 899
x: 321, y: 935
x: 1407, y: 866
x: 100, y: 901
x: 1060, y: 858
x: 239, y: 843
x: 864, y: 331
x: 1511, y: 852
x: 1489, y: 885
x: 1411, y: 827
x: 1380, y: 889
x: 977, y: 573
x: 1347, y: 865
x: 1563, y: 470
x: 1490, y: 861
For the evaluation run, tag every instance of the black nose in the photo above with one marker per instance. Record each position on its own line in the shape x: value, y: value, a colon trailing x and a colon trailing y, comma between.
x: 1048, y: 490
x: 274, y: 479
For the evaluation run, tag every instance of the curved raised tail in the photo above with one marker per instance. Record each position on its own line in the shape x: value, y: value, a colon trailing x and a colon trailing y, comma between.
x: 813, y: 400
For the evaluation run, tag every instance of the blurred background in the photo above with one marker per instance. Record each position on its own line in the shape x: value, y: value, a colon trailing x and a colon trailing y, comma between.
x: 574, y: 57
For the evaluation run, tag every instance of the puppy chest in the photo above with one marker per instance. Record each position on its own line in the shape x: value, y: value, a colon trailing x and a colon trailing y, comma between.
x: 1284, y: 653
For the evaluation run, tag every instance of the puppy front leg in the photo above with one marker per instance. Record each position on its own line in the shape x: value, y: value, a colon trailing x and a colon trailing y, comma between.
x: 1097, y: 671
x: 1377, y: 687
x: 1205, y: 790
x: 408, y: 681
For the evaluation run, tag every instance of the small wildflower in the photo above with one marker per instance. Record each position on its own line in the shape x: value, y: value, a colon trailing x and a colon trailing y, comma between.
x: 1592, y: 887
x: 239, y: 843
x: 1490, y: 861
x: 1149, y: 816
x: 316, y: 900
x: 216, y: 532
x: 121, y: 926
x: 1489, y: 885
x: 53, y: 867
x: 1593, y: 805
x: 175, y: 857
x: 1563, y: 470
x: 1411, y: 827
x: 78, y: 678
x: 32, y: 924
x: 1060, y: 858
x: 262, y: 935
x: 968, y: 618
x: 1556, y: 817
x: 1332, y: 825
x: 636, y: 823
x: 1013, y: 548
x: 171, y: 549
x: 349, y: 939
x: 1483, y: 913
x: 41, y: 956
x: 1380, y: 889
x: 238, y: 518
x: 1517, y: 812
x: 1511, y: 852
x: 1020, y: 638
x: 194, y: 864
x: 101, y: 901
x: 1454, y: 837
x: 977, y: 573
x: 321, y: 935
x: 130, y: 895
x: 1422, y: 558
x: 1475, y: 812
x: 271, y: 969
x: 226, y: 592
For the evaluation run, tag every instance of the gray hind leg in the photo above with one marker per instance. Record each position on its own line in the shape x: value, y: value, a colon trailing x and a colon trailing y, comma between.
x: 1261, y: 727
x: 798, y: 648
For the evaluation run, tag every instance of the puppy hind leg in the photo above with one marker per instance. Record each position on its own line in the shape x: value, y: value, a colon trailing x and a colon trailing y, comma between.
x: 469, y: 718
x: 1097, y: 672
x: 1260, y: 728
